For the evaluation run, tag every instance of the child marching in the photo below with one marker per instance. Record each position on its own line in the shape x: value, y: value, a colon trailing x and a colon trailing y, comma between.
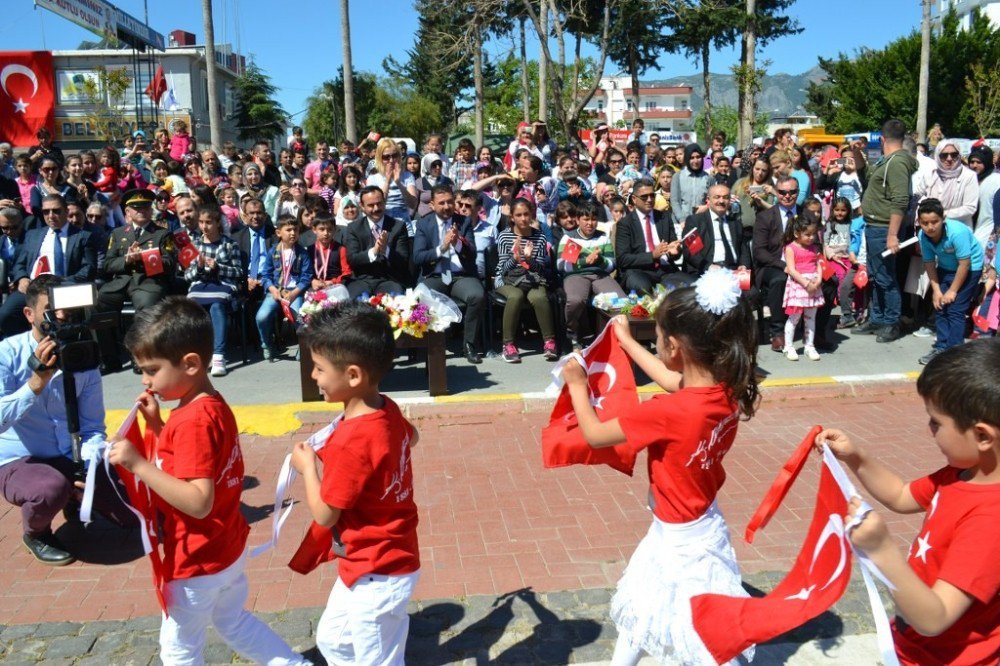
x: 706, y: 344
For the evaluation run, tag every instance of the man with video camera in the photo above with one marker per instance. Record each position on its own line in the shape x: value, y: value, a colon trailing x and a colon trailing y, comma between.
x: 37, y: 470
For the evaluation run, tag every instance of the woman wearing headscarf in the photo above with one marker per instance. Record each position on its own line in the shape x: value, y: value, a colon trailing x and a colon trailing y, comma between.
x: 952, y: 183
x: 981, y: 161
x: 690, y: 185
x: 256, y: 187
x: 431, y: 175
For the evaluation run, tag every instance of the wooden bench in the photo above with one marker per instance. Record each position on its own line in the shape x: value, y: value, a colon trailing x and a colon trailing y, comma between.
x: 437, y: 376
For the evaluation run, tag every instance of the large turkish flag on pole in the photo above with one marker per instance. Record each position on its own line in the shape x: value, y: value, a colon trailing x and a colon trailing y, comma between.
x: 27, y: 95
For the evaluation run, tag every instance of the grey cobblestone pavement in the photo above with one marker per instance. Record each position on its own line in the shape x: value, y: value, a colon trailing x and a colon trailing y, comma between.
x: 521, y: 627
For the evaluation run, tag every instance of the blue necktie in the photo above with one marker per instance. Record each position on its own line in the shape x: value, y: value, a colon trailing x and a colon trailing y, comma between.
x: 254, y: 255
x: 57, y: 255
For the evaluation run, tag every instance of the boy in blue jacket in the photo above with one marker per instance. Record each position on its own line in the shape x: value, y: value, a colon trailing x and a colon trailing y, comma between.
x: 287, y: 274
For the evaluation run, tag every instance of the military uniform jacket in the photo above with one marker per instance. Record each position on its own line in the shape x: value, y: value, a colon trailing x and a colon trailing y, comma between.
x: 119, y: 273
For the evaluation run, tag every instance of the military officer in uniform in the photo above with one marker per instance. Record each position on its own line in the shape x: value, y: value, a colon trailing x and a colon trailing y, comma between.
x: 144, y: 280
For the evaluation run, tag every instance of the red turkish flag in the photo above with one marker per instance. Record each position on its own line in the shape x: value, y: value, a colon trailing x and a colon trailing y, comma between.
x: 181, y: 238
x: 861, y: 277
x: 729, y: 625
x: 315, y: 549
x: 612, y: 390
x: 41, y: 267
x: 158, y: 86
x: 27, y: 96
x: 570, y: 252
x: 152, y: 261
x: 693, y: 242
x: 825, y: 269
x: 187, y: 254
x: 141, y: 499
x: 286, y: 308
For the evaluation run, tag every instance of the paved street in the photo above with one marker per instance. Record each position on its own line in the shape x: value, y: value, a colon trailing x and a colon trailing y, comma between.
x: 492, y: 522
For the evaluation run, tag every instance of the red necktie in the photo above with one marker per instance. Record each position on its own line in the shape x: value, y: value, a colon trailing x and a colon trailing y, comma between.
x: 649, y: 234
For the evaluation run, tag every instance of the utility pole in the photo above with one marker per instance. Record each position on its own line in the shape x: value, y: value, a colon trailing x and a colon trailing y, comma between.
x: 925, y: 70
x: 214, y: 114
x: 543, y: 67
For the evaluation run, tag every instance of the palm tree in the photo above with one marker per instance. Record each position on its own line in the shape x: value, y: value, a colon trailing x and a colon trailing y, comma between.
x: 214, y: 113
x: 345, y: 40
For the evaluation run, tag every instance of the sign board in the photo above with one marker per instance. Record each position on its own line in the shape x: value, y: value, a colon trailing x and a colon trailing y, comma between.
x: 105, y: 20
x: 71, y: 85
x: 667, y: 138
x: 75, y: 129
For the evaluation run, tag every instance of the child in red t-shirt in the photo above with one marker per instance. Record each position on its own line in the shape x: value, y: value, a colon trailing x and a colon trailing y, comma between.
x: 707, y: 352
x: 947, y: 587
x: 365, y: 491
x: 196, y: 473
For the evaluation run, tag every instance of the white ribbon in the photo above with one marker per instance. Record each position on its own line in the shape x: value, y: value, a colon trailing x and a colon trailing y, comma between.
x: 883, y: 632
x: 87, y: 503
x: 287, y: 476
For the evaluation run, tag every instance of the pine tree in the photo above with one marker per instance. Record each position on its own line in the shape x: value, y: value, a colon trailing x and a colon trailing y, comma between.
x: 259, y: 117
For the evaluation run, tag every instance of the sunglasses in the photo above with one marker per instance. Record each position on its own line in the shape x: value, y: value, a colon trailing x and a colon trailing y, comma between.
x: 51, y: 211
x: 94, y: 217
x: 645, y: 197
x: 462, y: 204
x: 950, y: 155
x: 787, y: 193
x: 49, y: 169
x: 390, y: 156
x: 298, y: 184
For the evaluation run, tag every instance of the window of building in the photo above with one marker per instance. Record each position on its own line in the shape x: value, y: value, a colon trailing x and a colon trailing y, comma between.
x: 684, y: 104
x: 651, y: 106
x: 600, y: 106
x: 628, y: 104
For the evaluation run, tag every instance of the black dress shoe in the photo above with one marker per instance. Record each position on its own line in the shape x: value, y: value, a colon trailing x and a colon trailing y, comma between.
x: 889, y: 334
x: 47, y: 550
x: 471, y: 355
x: 867, y: 328
x: 824, y: 345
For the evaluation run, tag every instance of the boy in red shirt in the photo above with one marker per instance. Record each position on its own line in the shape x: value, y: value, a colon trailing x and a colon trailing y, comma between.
x: 196, y: 473
x: 947, y: 603
x: 365, y: 491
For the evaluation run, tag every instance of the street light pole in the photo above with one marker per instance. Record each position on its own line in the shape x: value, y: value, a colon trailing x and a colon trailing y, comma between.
x: 925, y: 70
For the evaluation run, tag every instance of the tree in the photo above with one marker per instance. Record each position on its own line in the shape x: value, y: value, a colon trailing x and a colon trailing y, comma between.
x: 434, y: 67
x: 350, y: 123
x: 214, y: 111
x: 702, y: 25
x: 727, y: 119
x: 400, y: 110
x: 983, y: 88
x: 325, y: 118
x: 861, y: 93
x: 639, y: 35
x: 763, y: 22
x: 105, y: 94
x: 259, y: 117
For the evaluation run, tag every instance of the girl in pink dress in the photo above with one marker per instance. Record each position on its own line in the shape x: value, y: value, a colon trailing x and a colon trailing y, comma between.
x: 803, y: 288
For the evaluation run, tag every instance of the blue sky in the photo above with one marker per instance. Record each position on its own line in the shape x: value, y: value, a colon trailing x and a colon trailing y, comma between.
x: 298, y: 42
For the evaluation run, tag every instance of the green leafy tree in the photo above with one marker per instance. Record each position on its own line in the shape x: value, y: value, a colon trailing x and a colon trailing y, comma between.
x: 983, y: 87
x: 437, y: 71
x: 640, y: 33
x: 861, y: 93
x: 325, y: 117
x: 726, y: 119
x: 105, y: 94
x: 400, y: 110
x: 259, y: 117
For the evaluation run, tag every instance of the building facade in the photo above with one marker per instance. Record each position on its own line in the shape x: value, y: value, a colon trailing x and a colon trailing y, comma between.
x: 664, y: 109
x: 186, y: 77
x: 964, y: 9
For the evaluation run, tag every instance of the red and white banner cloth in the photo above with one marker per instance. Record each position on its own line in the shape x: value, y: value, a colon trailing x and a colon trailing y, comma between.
x: 612, y: 392
x: 819, y: 576
x: 286, y: 477
x: 140, y: 499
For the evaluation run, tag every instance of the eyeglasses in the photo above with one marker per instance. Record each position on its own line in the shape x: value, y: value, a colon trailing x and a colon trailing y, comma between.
x: 390, y: 156
x: 462, y: 205
x: 51, y: 211
x: 298, y: 184
x: 645, y: 197
x: 49, y: 169
x: 94, y: 217
x: 950, y: 155
x: 787, y: 193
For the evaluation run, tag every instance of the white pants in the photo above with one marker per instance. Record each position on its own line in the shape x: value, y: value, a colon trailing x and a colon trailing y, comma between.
x: 368, y: 623
x: 218, y: 599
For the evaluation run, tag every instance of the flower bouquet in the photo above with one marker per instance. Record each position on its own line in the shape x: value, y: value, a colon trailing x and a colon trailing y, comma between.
x: 632, y: 306
x: 322, y: 299
x: 417, y: 311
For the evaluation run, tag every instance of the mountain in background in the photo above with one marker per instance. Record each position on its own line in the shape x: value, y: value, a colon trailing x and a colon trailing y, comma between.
x: 780, y: 93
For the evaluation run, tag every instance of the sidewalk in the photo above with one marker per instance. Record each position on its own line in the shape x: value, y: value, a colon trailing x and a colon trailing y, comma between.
x: 492, y: 521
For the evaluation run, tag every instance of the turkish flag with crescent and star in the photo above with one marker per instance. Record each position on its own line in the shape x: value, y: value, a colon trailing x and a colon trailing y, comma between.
x: 729, y: 625
x: 152, y: 261
x: 612, y: 391
x: 27, y: 95
x: 141, y: 499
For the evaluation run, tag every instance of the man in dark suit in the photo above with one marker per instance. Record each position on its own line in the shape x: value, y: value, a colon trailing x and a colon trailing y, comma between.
x: 255, y: 238
x: 378, y: 248
x: 444, y: 251
x: 11, y: 238
x: 720, y: 233
x: 769, y: 255
x: 646, y: 245
x: 67, y: 251
x: 127, y: 272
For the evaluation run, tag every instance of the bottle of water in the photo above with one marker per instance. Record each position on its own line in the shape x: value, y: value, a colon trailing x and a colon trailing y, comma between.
x: 633, y: 298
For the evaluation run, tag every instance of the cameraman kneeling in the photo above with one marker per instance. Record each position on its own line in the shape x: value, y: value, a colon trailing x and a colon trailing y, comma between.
x: 36, y: 466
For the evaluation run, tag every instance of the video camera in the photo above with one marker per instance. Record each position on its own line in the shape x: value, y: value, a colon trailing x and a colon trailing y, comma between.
x: 76, y: 349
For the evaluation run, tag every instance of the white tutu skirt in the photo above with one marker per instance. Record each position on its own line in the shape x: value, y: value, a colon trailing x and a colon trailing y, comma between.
x: 674, y: 562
